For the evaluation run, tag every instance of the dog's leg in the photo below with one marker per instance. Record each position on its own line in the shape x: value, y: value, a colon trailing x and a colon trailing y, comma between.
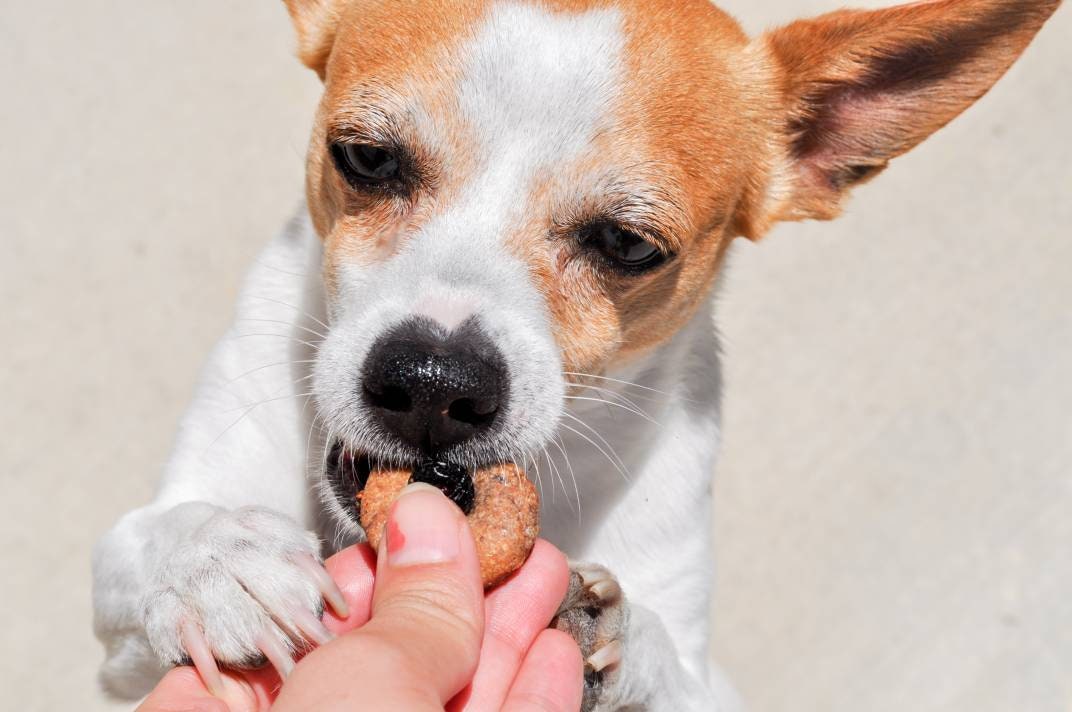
x: 645, y: 638
x: 221, y: 565
x: 631, y: 662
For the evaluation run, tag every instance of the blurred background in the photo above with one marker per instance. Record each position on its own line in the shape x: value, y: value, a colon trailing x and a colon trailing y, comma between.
x: 894, y: 501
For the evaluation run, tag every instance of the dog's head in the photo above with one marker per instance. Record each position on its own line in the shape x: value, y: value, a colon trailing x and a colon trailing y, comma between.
x: 513, y: 191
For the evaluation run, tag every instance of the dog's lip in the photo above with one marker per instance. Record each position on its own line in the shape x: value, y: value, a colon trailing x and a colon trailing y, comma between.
x: 348, y: 468
x: 346, y: 471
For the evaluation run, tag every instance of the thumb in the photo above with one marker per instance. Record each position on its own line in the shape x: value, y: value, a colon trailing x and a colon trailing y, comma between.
x: 422, y: 643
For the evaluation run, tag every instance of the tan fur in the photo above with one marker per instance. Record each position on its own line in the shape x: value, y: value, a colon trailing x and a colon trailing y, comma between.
x: 861, y: 88
x: 731, y: 135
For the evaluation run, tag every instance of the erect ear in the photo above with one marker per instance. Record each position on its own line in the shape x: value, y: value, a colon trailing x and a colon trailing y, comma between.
x: 315, y: 22
x: 862, y: 87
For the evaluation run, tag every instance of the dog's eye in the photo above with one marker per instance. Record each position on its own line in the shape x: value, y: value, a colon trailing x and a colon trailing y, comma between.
x: 366, y: 165
x: 625, y: 248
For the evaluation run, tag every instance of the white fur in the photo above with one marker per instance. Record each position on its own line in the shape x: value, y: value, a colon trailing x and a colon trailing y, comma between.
x: 242, y: 444
x: 618, y: 488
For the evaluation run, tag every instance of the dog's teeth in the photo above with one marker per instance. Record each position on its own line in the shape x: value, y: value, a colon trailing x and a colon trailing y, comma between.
x: 193, y: 640
x: 606, y: 590
x: 610, y: 654
x: 275, y: 652
x: 326, y: 584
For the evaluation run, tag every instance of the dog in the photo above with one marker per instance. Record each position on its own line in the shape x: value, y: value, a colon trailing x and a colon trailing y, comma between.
x: 531, y: 200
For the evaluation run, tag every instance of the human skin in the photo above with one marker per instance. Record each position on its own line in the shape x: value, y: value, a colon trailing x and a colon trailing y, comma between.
x: 420, y: 634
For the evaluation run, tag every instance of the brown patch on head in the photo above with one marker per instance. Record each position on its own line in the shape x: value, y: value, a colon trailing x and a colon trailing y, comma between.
x: 384, y: 82
x: 707, y: 136
x: 679, y: 165
x: 677, y: 159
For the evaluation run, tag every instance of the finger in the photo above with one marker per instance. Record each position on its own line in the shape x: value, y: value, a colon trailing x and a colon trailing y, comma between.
x: 429, y: 600
x: 421, y: 645
x: 182, y: 689
x: 551, y: 678
x: 354, y: 571
x: 515, y: 613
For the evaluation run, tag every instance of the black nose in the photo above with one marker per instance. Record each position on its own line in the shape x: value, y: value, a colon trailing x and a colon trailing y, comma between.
x: 433, y: 389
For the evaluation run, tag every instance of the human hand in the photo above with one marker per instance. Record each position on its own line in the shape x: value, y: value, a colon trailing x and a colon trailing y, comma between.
x: 420, y: 634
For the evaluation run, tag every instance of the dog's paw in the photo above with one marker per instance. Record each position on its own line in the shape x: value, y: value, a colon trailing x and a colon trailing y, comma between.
x: 244, y: 587
x: 595, y: 614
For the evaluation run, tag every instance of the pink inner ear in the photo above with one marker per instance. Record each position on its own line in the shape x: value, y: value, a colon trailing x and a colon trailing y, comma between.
x: 852, y: 138
x: 875, y: 84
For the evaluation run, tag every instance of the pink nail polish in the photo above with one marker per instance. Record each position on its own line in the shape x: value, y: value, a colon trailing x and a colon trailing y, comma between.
x: 424, y: 528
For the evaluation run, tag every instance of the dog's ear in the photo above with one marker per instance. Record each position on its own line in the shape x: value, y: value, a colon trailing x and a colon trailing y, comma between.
x: 315, y: 22
x: 859, y: 88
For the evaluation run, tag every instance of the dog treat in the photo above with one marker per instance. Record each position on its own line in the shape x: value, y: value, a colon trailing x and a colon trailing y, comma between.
x: 499, y: 500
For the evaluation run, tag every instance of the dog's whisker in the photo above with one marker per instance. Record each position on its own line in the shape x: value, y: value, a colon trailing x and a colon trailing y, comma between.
x: 596, y: 433
x: 557, y: 441
x: 250, y: 406
x: 626, y: 399
x: 262, y: 263
x: 579, y: 434
x: 240, y: 376
x: 639, y: 413
x: 241, y: 417
x: 539, y: 478
x: 620, y: 381
x: 278, y: 391
x: 290, y: 306
x: 610, y: 392
x: 314, y: 346
x: 548, y: 460
x: 285, y: 323
x: 649, y: 400
x: 309, y: 437
x: 558, y: 474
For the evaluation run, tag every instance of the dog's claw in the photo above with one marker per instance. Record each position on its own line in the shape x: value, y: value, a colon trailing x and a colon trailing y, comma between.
x: 311, y: 627
x: 277, y: 655
x: 325, y: 583
x: 193, y: 640
x: 598, y: 581
x: 607, y: 656
x: 606, y: 591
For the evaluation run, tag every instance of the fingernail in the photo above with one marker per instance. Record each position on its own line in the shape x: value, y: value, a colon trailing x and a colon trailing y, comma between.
x: 423, y: 527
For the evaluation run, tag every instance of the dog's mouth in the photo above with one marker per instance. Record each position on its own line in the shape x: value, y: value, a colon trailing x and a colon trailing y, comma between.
x: 347, y: 471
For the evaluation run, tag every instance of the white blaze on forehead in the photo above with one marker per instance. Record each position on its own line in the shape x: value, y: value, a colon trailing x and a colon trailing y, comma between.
x: 541, y: 81
x: 535, y: 89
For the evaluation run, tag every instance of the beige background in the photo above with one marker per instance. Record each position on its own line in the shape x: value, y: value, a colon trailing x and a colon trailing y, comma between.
x: 895, y: 499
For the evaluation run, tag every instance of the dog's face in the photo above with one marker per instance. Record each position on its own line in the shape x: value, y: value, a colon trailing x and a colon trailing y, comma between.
x: 501, y: 203
x: 509, y: 192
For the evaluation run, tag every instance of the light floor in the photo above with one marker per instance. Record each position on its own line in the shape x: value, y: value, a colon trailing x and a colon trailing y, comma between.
x: 894, y: 504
